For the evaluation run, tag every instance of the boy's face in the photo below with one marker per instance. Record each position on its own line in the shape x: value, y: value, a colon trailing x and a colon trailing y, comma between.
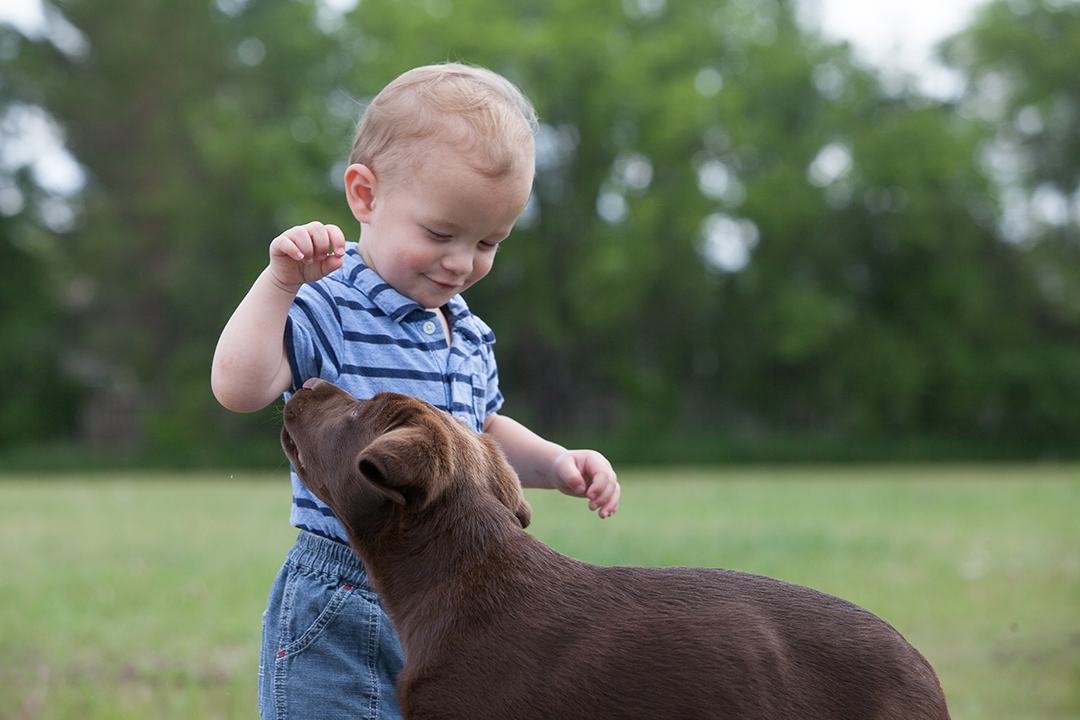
x: 432, y: 235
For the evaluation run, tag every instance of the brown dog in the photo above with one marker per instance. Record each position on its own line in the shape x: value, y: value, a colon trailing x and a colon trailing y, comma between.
x: 497, y: 625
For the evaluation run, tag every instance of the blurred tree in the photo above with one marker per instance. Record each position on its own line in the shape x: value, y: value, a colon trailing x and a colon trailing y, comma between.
x: 736, y: 228
x: 202, y: 130
x: 37, y: 401
x: 1020, y: 59
x: 733, y: 228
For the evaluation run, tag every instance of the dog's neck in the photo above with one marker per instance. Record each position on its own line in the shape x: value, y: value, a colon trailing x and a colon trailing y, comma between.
x: 430, y: 555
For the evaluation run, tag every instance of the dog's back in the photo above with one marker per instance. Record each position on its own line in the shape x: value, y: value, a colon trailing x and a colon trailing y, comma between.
x: 576, y: 640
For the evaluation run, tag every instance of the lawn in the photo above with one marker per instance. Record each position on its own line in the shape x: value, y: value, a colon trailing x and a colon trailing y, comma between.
x: 140, y: 596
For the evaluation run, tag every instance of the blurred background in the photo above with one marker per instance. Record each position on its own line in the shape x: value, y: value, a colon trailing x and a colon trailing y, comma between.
x: 748, y: 239
x: 798, y: 232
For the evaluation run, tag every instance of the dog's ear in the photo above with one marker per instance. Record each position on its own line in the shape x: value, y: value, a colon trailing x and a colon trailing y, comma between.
x: 384, y: 462
x: 401, y: 460
x: 524, y: 513
x: 505, y: 484
x: 373, y: 473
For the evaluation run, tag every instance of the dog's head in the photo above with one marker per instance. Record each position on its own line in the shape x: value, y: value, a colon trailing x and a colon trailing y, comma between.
x: 363, y: 458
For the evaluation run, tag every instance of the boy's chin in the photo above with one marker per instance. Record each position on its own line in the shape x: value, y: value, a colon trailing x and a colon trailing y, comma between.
x: 431, y: 301
x: 435, y: 295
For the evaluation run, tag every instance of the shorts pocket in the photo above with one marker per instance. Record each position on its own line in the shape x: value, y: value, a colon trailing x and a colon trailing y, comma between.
x: 310, y: 604
x: 328, y: 662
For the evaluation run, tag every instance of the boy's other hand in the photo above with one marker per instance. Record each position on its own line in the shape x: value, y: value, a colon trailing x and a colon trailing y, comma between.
x: 306, y: 253
x: 588, y: 473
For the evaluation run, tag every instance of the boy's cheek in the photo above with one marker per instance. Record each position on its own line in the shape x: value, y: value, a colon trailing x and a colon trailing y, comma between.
x: 482, y: 266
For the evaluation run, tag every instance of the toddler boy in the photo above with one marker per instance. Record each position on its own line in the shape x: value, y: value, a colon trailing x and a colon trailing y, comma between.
x: 441, y: 168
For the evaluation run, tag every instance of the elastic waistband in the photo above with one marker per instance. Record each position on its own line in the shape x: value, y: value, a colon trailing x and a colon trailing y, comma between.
x: 328, y: 556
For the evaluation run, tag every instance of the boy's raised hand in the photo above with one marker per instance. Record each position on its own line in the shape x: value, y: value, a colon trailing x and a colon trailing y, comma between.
x: 306, y: 253
x: 588, y: 473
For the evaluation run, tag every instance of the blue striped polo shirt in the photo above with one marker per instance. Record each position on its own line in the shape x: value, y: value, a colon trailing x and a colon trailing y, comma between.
x: 355, y: 331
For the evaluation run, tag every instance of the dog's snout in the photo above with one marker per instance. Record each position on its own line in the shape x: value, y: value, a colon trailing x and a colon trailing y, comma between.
x: 293, y: 408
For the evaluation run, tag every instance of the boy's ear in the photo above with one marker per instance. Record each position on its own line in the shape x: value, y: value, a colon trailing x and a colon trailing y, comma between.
x: 361, y: 186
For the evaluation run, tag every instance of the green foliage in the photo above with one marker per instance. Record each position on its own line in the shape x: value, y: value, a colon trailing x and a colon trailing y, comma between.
x: 1026, y: 54
x: 1020, y: 59
x: 37, y: 400
x: 735, y: 230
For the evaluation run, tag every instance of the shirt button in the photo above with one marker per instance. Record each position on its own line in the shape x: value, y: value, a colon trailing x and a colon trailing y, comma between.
x: 429, y: 327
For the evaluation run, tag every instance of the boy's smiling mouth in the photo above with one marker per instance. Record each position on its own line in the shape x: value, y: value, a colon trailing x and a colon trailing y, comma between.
x: 449, y: 287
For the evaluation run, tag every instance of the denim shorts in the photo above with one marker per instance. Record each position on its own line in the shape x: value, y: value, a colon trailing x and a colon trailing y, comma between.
x: 329, y: 650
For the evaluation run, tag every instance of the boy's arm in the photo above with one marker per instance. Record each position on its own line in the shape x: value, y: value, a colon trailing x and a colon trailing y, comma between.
x: 250, y: 368
x: 544, y: 464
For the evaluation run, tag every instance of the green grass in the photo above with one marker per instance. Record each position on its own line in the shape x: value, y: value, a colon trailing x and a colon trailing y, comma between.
x: 140, y: 596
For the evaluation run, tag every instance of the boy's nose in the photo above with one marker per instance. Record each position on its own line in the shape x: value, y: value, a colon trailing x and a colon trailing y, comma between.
x: 459, y: 262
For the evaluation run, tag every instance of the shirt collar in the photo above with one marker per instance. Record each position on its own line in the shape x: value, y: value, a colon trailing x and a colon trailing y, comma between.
x: 367, y: 281
x: 396, y: 306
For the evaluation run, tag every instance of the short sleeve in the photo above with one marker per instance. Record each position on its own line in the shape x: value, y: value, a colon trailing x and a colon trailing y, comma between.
x: 313, y: 336
x: 493, y: 395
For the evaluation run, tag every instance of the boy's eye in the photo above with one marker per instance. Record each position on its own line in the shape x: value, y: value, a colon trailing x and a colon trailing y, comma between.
x: 437, y: 235
x: 489, y: 246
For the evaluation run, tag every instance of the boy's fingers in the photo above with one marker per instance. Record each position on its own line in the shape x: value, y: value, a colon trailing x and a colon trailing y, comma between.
x: 599, y: 473
x: 301, y: 240
x: 568, y: 472
x: 607, y: 486
x: 592, y: 476
x: 312, y: 242
x: 287, y: 246
x: 607, y: 497
x: 326, y: 240
x: 319, y: 237
x: 337, y: 240
x: 604, y: 490
x: 612, y: 502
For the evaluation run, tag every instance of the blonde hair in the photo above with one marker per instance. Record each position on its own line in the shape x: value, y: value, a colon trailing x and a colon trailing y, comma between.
x: 477, y: 111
